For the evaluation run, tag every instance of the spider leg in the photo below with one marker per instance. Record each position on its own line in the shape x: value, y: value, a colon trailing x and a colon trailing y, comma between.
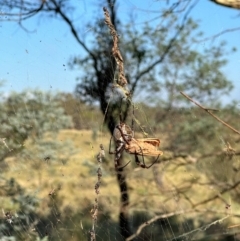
x: 152, y: 163
x: 133, y: 117
x: 120, y: 113
x: 110, y: 144
x: 123, y: 166
x: 118, y: 152
x: 123, y: 135
x: 120, y: 146
x: 143, y: 165
x: 137, y: 160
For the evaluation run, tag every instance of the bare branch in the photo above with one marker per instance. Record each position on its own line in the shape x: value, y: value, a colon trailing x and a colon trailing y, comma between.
x: 154, y: 219
x: 162, y: 216
x: 218, y: 34
x: 28, y: 9
x: 122, y: 81
x: 170, y: 45
x: 73, y: 30
x: 200, y: 229
x: 218, y: 195
x: 210, y: 113
x: 228, y: 3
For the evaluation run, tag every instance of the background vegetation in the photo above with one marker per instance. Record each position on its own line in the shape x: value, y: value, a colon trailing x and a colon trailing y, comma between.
x: 49, y: 142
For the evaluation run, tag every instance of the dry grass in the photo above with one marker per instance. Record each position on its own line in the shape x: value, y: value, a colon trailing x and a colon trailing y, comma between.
x: 73, y: 182
x: 75, y: 179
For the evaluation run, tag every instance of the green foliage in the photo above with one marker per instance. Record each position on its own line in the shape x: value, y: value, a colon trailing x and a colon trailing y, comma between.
x: 98, y: 67
x: 183, y: 68
x: 193, y: 133
x: 160, y: 61
x: 18, y: 224
x: 50, y: 150
x: 29, y: 116
x: 84, y: 116
x: 32, y: 119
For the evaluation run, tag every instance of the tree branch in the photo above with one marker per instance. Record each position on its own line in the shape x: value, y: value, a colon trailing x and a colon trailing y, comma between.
x: 210, y: 113
x: 218, y: 195
x: 154, y: 219
x: 228, y: 3
x: 218, y: 34
x: 202, y: 228
x: 73, y: 30
x: 170, y: 45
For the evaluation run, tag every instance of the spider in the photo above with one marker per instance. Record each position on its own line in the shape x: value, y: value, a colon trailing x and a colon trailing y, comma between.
x: 124, y: 139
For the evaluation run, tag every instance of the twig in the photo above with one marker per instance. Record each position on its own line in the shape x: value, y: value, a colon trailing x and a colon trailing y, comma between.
x: 157, y: 217
x: 154, y: 219
x: 125, y: 94
x: 122, y: 81
x: 200, y: 229
x: 218, y: 34
x: 230, y: 3
x: 218, y: 195
x: 168, y: 47
x: 5, y: 144
x: 210, y: 113
x: 94, y: 210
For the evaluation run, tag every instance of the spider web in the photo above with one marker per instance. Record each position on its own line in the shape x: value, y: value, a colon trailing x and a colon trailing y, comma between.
x: 50, y: 181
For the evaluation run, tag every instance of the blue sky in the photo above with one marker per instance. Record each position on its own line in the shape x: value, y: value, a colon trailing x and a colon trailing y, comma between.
x: 39, y: 59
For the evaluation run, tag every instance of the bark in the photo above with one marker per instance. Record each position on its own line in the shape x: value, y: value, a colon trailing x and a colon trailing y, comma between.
x: 123, y: 214
x: 228, y: 3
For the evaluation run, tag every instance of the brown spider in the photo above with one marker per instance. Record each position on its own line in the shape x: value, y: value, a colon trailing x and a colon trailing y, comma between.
x: 124, y: 139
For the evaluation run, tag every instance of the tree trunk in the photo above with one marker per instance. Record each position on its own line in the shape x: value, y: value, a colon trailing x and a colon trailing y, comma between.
x: 123, y: 214
x: 124, y: 223
x: 228, y: 3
